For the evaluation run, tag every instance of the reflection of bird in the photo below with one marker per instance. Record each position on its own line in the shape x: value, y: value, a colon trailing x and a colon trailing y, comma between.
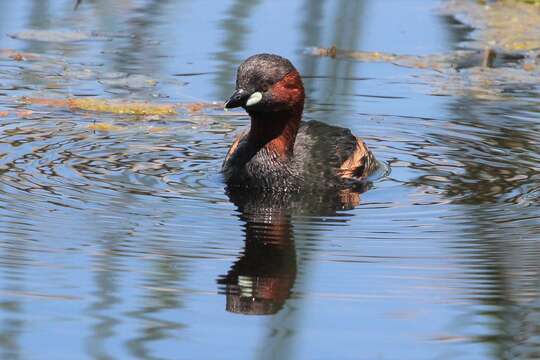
x: 280, y: 152
x: 261, y: 280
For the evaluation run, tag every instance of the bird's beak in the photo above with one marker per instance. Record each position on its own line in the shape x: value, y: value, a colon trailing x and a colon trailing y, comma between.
x: 237, y: 99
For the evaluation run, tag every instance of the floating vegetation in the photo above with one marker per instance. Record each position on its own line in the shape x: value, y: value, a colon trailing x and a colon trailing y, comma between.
x: 134, y: 82
x: 534, y: 2
x: 105, y: 106
x: 456, y: 59
x: 53, y: 36
x: 477, y: 83
x: 461, y: 73
x: 510, y: 25
x: 19, y: 113
x: 502, y: 54
x: 120, y: 107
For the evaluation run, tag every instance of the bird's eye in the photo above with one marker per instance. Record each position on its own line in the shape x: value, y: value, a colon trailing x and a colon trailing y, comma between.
x: 265, y: 87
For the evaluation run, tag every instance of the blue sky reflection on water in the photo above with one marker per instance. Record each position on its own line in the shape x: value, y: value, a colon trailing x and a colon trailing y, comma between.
x: 124, y: 244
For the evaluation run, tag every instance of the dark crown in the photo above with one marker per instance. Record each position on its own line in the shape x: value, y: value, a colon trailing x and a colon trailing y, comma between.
x: 262, y: 70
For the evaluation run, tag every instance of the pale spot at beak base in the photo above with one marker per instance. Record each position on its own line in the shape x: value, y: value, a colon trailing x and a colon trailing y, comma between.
x: 254, y: 99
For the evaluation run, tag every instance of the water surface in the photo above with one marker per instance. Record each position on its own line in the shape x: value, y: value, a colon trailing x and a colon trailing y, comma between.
x: 124, y: 243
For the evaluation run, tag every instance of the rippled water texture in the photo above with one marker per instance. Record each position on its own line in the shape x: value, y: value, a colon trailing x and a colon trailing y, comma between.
x: 118, y: 239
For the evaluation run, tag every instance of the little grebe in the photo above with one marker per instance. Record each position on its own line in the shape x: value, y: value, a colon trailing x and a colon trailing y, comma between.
x: 280, y: 152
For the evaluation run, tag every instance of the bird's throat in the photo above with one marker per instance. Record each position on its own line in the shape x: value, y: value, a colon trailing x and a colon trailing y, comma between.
x: 275, y: 131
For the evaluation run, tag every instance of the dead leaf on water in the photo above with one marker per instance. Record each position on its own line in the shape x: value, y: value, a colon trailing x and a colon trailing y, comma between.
x: 105, y: 127
x: 195, y: 107
x: 529, y: 67
x: 19, y: 55
x: 157, y: 129
x: 24, y: 113
x: 200, y: 106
